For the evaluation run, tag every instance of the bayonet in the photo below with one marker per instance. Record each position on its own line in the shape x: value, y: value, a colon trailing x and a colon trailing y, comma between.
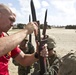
x: 45, y: 25
x: 30, y: 34
x: 33, y: 11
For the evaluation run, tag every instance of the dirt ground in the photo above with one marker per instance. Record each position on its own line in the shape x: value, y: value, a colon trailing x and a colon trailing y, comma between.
x: 65, y: 39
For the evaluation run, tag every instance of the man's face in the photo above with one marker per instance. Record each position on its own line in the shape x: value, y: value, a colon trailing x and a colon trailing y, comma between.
x: 50, y: 52
x: 6, y: 20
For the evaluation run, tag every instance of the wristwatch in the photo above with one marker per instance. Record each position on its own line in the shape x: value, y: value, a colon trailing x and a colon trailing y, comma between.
x: 36, y: 55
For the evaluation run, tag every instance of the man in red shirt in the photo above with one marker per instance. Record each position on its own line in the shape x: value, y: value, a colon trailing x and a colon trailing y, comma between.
x: 8, y: 45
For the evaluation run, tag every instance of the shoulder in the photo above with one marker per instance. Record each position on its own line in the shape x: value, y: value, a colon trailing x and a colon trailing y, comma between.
x: 68, y: 64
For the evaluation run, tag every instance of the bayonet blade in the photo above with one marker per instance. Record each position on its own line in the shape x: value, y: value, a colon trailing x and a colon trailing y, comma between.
x: 45, y: 24
x: 30, y: 36
x: 33, y: 11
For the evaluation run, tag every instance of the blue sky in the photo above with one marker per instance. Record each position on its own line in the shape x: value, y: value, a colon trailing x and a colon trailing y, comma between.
x: 60, y: 12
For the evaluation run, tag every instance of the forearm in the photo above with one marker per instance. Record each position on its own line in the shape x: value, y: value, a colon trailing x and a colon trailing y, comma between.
x: 10, y: 42
x: 30, y: 59
x: 26, y: 59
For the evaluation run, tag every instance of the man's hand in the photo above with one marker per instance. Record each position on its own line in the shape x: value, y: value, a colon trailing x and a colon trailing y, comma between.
x: 44, y: 51
x: 32, y: 26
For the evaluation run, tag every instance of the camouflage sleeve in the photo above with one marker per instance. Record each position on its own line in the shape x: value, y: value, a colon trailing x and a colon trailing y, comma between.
x: 54, y: 67
x: 53, y: 70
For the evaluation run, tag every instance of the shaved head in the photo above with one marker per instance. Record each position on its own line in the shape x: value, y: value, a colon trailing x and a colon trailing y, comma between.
x: 7, y: 17
x: 5, y: 9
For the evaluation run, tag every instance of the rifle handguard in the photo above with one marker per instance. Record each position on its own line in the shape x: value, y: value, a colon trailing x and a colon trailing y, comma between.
x: 36, y: 55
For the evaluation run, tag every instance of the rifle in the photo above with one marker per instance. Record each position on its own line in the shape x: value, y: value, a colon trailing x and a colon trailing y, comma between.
x: 30, y: 46
x: 29, y: 51
x: 43, y: 70
x: 30, y: 34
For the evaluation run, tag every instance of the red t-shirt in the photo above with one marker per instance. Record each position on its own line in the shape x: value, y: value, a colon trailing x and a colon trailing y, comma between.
x: 5, y: 59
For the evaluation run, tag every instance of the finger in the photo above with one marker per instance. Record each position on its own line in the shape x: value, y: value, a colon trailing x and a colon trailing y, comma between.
x: 36, y: 24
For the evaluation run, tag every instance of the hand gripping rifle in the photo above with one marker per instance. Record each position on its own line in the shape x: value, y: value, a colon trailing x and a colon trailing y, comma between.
x: 43, y: 70
x: 30, y: 46
x: 30, y: 49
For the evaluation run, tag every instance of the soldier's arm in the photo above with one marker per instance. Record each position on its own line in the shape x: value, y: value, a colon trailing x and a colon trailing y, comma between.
x: 25, y: 59
x: 10, y: 42
x: 29, y: 59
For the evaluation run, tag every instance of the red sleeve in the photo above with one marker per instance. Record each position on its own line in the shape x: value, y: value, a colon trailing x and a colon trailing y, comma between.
x: 15, y: 52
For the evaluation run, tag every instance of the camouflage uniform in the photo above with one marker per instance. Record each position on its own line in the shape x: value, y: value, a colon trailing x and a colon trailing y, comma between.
x: 68, y: 64
x: 54, y: 65
x: 52, y: 61
x: 28, y: 50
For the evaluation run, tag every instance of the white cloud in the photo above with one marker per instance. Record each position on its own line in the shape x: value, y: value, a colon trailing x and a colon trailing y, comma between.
x: 44, y: 3
x: 10, y: 4
x: 25, y: 10
x: 66, y: 13
x: 25, y: 7
x: 37, y: 4
x: 65, y: 6
x: 60, y: 12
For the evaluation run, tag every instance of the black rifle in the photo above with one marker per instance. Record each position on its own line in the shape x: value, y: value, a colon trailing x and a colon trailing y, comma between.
x: 45, y: 39
x: 30, y: 49
x: 30, y: 34
x: 30, y: 46
x: 43, y: 70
